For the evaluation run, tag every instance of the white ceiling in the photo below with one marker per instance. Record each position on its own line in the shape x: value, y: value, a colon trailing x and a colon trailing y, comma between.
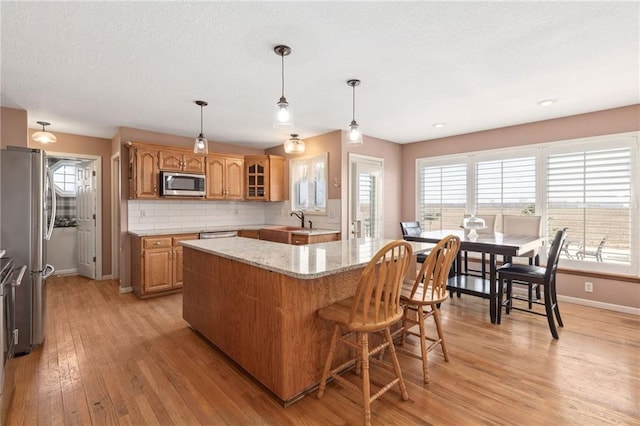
x: 90, y: 67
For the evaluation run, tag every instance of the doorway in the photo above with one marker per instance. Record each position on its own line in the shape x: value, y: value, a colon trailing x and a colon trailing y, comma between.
x: 365, y: 196
x: 75, y: 245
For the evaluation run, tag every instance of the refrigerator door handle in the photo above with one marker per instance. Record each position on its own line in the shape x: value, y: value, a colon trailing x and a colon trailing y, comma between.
x: 46, y: 274
x: 18, y: 281
x: 53, y: 204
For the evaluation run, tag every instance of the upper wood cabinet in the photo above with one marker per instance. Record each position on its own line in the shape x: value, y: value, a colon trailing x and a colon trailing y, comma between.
x: 264, y: 177
x: 225, y: 177
x: 143, y: 173
x: 181, y: 162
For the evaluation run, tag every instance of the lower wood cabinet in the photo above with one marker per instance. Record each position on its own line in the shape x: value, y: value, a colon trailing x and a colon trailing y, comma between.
x: 156, y: 264
x: 249, y: 233
x: 301, y: 239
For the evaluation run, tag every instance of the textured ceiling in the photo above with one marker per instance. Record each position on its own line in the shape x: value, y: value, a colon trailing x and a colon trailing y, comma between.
x: 90, y: 67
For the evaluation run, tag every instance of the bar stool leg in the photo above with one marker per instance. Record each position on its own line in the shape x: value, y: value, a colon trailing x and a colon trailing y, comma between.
x: 327, y: 364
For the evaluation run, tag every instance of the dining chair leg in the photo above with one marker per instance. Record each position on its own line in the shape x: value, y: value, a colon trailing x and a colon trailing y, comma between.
x: 556, y: 308
x: 423, y: 345
x: 530, y: 295
x: 327, y: 364
x: 363, y: 343
x: 509, y: 300
x: 549, y: 310
x: 436, y: 318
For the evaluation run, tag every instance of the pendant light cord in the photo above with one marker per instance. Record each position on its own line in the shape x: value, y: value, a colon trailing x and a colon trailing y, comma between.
x: 353, y: 104
x: 201, y: 119
x: 282, y: 56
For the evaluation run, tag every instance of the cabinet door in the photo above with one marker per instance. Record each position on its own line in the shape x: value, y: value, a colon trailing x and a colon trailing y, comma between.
x: 147, y: 177
x: 170, y: 161
x: 215, y: 177
x: 177, y: 267
x: 276, y: 178
x: 257, y: 178
x: 234, y: 178
x: 157, y: 267
x: 193, y: 163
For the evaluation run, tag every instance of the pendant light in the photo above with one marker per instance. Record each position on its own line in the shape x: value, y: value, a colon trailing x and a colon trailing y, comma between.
x: 43, y: 136
x: 201, y: 145
x: 283, y: 115
x: 294, y: 145
x: 354, y: 136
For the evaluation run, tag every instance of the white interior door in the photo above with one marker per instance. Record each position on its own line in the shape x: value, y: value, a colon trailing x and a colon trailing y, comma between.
x: 365, y: 196
x: 86, y: 218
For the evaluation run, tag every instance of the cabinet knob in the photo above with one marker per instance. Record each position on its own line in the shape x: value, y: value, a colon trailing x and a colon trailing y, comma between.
x: 157, y: 243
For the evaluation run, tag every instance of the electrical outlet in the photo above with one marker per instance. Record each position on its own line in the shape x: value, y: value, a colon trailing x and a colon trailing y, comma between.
x: 332, y: 213
x: 588, y: 287
x: 143, y: 213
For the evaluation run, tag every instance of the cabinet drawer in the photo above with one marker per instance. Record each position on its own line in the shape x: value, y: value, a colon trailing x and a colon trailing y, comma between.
x: 156, y: 242
x: 299, y: 240
x: 179, y: 238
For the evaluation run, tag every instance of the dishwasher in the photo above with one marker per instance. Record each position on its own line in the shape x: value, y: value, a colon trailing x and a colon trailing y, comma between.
x: 217, y: 234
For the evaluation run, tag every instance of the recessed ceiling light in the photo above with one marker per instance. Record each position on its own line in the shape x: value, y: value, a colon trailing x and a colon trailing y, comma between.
x: 438, y: 125
x: 547, y: 102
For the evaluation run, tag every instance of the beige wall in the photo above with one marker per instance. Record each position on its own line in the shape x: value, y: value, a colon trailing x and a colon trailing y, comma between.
x: 13, y: 127
x: 625, y: 291
x: 329, y: 143
x: 618, y: 120
x: 87, y: 145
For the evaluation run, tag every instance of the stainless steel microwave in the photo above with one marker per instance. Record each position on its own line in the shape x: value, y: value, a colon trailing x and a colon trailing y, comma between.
x: 181, y: 184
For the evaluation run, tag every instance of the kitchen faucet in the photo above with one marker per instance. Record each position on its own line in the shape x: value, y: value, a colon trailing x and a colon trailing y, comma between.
x: 299, y: 215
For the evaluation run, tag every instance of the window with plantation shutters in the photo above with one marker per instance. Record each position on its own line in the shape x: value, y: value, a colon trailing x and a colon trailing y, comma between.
x: 591, y: 186
x: 442, y: 195
x: 506, y: 187
x: 590, y: 192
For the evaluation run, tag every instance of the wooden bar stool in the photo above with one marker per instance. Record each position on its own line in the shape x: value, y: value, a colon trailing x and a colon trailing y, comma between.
x: 374, y: 309
x: 422, y: 297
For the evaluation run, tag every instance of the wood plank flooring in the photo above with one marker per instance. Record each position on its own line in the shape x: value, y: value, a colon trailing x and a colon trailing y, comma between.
x: 110, y: 358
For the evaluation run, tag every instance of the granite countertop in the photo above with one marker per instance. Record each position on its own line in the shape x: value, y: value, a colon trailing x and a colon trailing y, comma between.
x: 188, y: 230
x: 304, y: 262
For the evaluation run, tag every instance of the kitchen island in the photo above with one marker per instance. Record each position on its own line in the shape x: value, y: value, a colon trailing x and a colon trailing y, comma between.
x: 257, y: 302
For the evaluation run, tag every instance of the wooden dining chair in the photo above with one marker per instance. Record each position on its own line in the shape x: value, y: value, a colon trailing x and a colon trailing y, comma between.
x: 374, y: 308
x: 422, y: 297
x: 530, y: 275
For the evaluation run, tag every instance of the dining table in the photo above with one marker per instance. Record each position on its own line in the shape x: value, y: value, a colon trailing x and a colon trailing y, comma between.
x: 495, y: 244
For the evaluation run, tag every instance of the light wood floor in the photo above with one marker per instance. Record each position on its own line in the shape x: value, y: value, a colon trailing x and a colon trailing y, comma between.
x: 109, y: 358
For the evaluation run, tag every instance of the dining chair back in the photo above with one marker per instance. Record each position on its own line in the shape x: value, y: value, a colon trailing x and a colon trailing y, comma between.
x: 530, y: 275
x: 374, y: 308
x: 412, y: 229
x: 422, y: 298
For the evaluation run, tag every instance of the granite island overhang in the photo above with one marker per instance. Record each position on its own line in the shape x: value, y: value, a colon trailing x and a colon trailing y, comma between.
x: 257, y: 302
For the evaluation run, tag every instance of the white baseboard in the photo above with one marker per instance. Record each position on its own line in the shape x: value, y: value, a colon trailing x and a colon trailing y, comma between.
x: 590, y: 303
x: 601, y: 305
x: 126, y: 289
x: 66, y: 272
x: 107, y: 277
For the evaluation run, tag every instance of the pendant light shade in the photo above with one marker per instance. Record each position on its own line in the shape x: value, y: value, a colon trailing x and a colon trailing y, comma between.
x: 43, y: 136
x: 283, y: 114
x: 354, y: 135
x: 294, y: 145
x: 201, y: 145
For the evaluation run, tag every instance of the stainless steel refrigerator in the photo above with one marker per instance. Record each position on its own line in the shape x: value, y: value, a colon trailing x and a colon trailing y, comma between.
x: 27, y: 217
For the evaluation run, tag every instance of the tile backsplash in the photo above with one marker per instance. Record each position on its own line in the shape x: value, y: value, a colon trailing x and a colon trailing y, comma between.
x: 164, y: 214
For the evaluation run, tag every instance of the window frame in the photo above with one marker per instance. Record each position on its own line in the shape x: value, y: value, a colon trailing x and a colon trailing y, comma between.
x: 542, y: 152
x: 309, y: 162
x: 58, y: 165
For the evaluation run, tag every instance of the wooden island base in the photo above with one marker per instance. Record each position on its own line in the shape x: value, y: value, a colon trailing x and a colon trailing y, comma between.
x: 265, y: 321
